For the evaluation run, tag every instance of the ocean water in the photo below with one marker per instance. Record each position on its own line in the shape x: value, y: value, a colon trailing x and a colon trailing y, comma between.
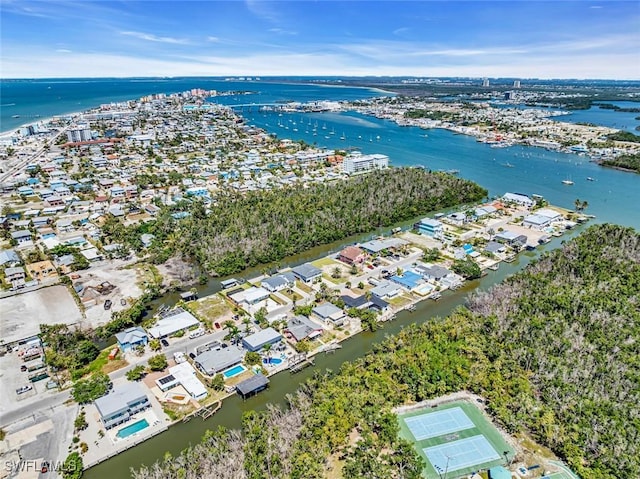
x: 612, y: 197
x: 33, y: 100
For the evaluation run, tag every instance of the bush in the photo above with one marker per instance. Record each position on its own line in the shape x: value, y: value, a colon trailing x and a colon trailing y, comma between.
x: 137, y: 373
x: 158, y: 362
x: 72, y: 467
x: 252, y: 358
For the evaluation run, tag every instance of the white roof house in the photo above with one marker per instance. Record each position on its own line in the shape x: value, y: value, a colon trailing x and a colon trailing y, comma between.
x: 176, y: 320
x: 186, y: 376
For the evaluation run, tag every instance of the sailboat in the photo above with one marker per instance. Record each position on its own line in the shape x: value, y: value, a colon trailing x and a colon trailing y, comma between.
x: 343, y: 137
x: 567, y: 181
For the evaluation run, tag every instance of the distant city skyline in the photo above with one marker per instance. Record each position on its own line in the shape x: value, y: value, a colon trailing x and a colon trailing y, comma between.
x: 513, y: 39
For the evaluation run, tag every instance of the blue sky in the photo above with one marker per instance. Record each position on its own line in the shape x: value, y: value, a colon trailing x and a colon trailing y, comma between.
x: 516, y: 38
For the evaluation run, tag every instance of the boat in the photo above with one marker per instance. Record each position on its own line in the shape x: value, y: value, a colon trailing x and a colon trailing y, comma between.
x: 343, y: 137
x: 567, y: 182
x: 494, y: 267
x: 507, y: 164
x: 411, y: 308
x: 590, y: 179
x: 15, y: 116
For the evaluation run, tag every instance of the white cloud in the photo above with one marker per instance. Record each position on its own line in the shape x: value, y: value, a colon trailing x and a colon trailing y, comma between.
x: 154, y: 38
x: 281, y: 31
x: 63, y: 50
x: 612, y: 65
x: 213, y: 39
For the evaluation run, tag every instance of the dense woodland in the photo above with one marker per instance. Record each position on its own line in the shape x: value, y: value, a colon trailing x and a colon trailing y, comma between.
x: 266, y: 226
x: 627, y: 162
x: 554, y: 350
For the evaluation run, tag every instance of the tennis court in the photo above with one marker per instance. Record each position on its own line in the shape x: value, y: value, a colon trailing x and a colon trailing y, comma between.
x: 456, y: 455
x: 434, y: 424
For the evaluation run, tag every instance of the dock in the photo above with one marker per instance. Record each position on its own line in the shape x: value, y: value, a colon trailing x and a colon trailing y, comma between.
x: 331, y: 347
x: 299, y: 361
x: 204, y: 412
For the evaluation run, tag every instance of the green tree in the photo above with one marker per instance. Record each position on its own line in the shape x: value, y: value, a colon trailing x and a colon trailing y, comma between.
x: 467, y: 268
x: 137, y: 373
x: 155, y: 345
x: 158, y: 362
x: 88, y: 390
x: 73, y: 468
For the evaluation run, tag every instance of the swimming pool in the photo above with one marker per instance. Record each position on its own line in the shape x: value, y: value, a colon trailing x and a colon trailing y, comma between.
x: 132, y: 429
x: 234, y: 371
x: 274, y: 361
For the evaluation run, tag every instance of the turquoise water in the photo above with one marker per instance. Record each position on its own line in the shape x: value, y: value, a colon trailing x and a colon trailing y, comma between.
x: 33, y: 100
x: 620, y: 120
x: 612, y: 197
x: 275, y: 361
x: 132, y: 429
x: 234, y: 371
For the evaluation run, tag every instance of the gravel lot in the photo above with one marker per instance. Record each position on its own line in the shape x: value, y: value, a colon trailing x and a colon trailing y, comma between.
x: 22, y: 314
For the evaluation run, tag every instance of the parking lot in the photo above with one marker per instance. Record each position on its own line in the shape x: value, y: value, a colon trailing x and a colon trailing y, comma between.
x: 14, y: 375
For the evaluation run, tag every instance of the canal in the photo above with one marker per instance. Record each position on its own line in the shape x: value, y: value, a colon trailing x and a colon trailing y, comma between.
x: 182, y: 435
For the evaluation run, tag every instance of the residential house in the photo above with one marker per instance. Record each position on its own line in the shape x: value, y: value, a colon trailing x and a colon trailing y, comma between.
x: 300, y: 327
x: 171, y: 322
x: 131, y: 338
x: 213, y: 361
x: 279, y: 282
x: 352, y: 255
x: 256, y: 341
x: 386, y: 289
x: 433, y: 272
x: 518, y: 198
x: 22, y: 237
x: 329, y: 312
x: 15, y: 276
x: 9, y: 257
x: 121, y: 404
x: 307, y: 273
x: 430, y: 227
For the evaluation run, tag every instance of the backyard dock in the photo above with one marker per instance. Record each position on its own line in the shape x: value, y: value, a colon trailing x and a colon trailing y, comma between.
x: 299, y: 361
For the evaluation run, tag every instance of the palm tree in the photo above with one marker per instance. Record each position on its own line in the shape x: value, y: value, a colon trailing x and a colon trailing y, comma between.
x: 267, y: 350
x: 584, y: 205
x: 233, y: 332
x: 336, y: 272
x: 577, y: 203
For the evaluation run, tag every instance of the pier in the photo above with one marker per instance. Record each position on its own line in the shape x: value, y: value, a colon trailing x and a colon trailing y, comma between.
x: 299, y: 361
x: 204, y: 412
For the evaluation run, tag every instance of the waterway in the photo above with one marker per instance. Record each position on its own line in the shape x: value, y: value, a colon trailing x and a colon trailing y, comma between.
x: 183, y: 435
x: 613, y: 196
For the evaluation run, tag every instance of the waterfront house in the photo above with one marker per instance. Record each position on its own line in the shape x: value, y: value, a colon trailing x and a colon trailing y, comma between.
x: 378, y: 245
x: 430, y: 227
x: 352, y: 255
x: 213, y: 361
x: 408, y: 279
x: 386, y: 289
x: 279, y: 282
x: 518, y: 198
x: 329, y: 312
x: 511, y: 238
x: 183, y: 375
x: 307, y: 273
x: 250, y: 296
x: 131, y: 338
x: 171, y: 322
x: 495, y: 247
x: 433, y: 273
x: 536, y: 221
x: 123, y: 402
x: 256, y: 341
x: 300, y: 327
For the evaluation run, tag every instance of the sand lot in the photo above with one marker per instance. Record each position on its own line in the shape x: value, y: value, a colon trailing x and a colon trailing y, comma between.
x: 22, y: 314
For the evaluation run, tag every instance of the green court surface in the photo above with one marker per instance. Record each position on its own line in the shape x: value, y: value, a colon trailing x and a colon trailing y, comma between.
x: 447, y: 424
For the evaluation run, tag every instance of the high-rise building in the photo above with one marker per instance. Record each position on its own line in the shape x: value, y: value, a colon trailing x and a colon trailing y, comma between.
x: 80, y: 133
x: 516, y: 83
x: 485, y: 82
x: 357, y: 162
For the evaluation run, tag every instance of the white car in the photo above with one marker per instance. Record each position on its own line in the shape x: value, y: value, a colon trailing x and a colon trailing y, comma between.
x: 24, y: 389
x: 179, y: 357
x: 196, y: 334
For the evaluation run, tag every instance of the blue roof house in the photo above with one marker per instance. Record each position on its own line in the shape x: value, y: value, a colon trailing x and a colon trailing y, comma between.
x: 131, y: 338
